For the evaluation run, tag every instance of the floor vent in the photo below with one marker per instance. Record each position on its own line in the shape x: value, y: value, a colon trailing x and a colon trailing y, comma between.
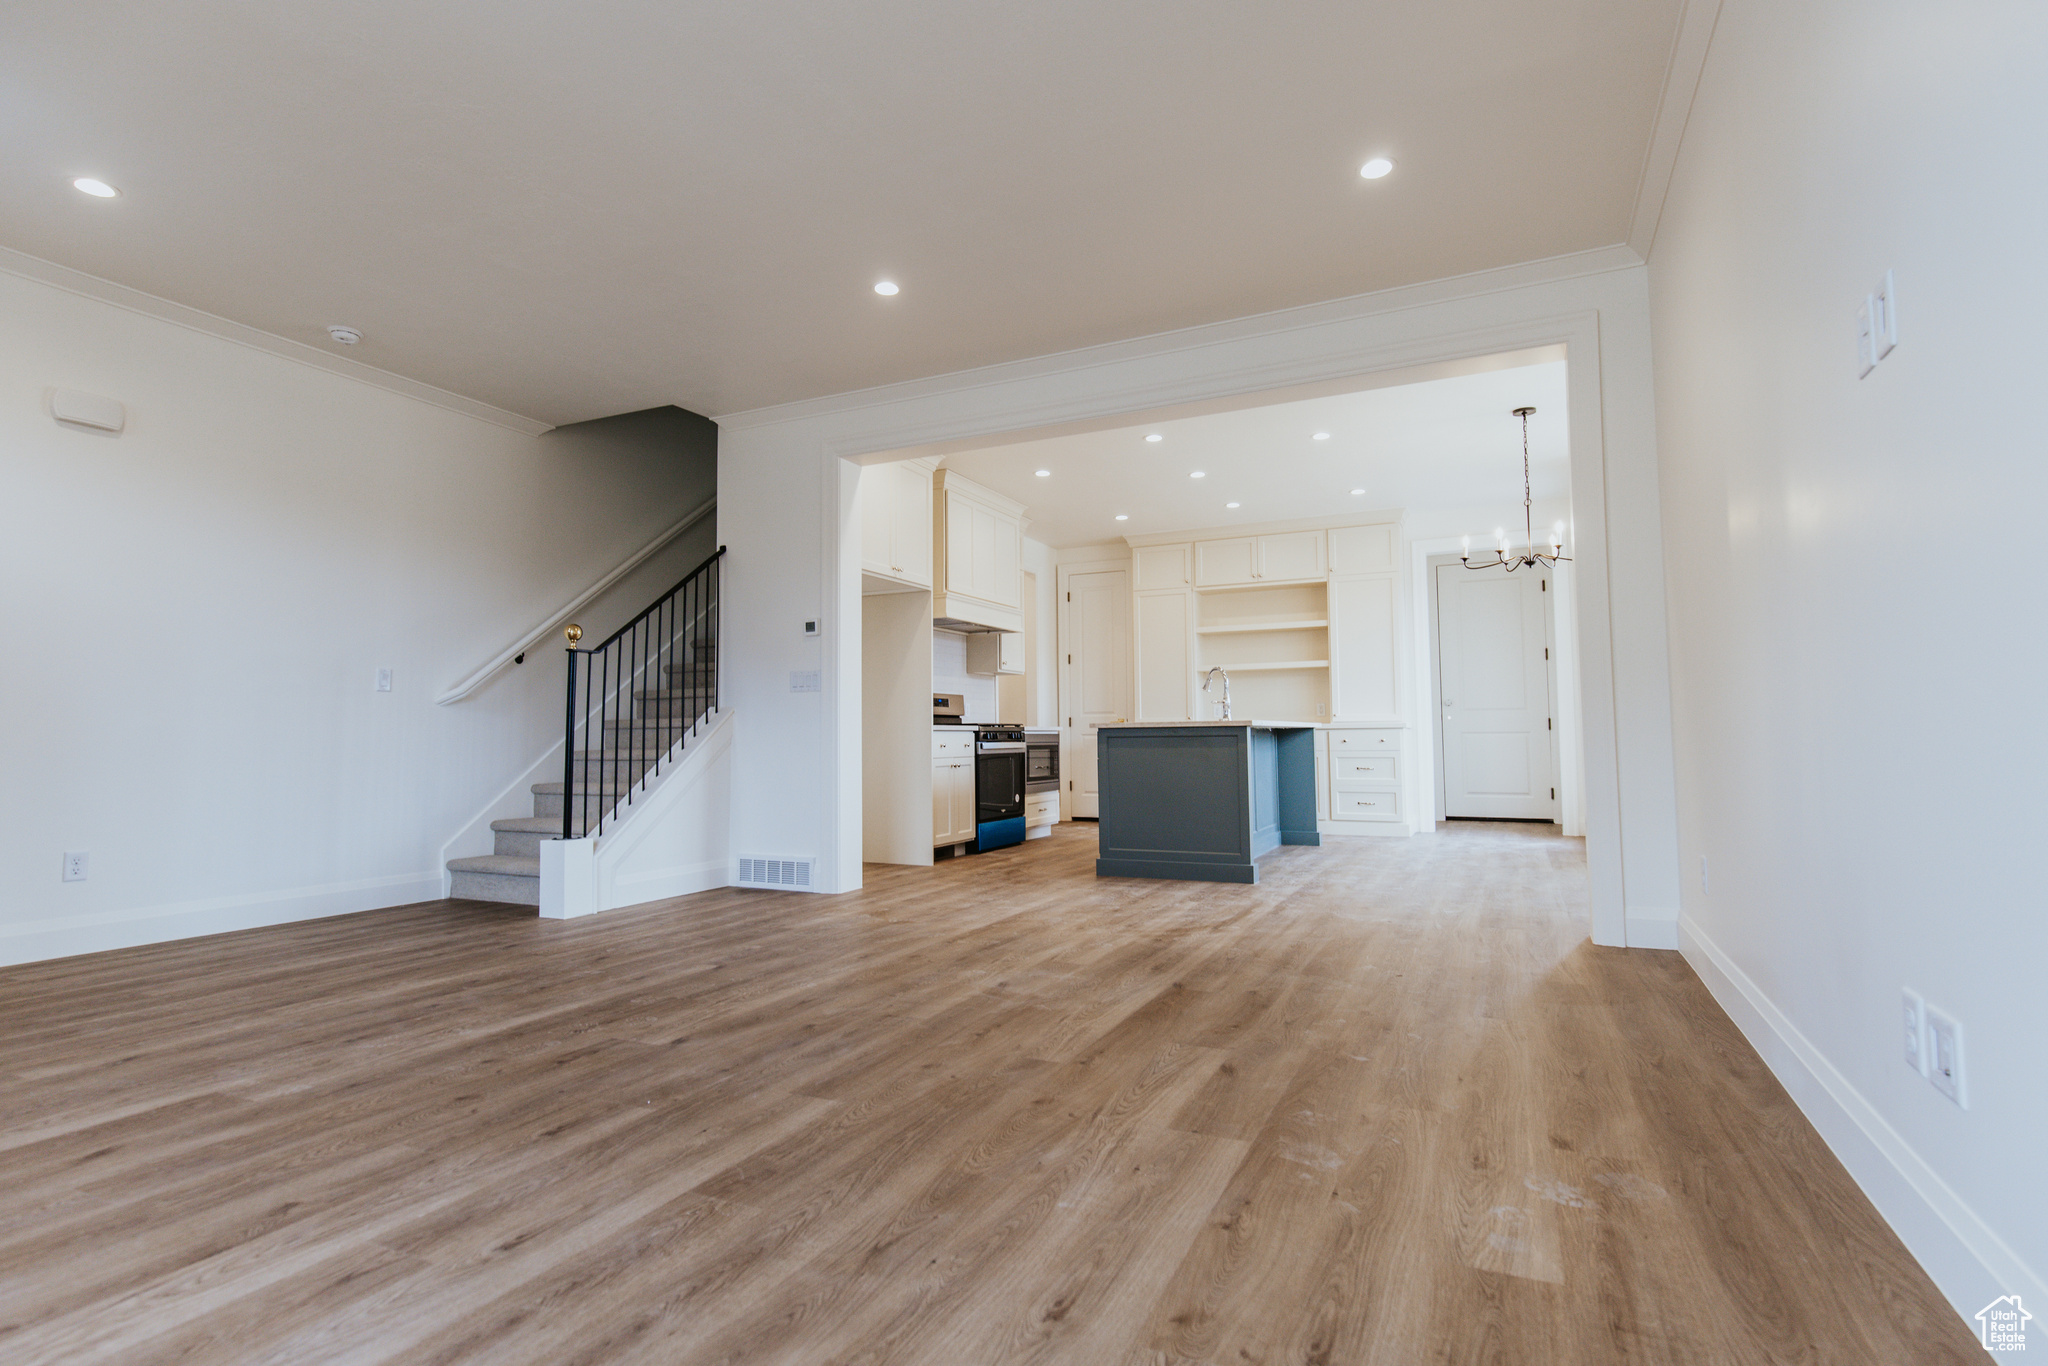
x: 794, y: 873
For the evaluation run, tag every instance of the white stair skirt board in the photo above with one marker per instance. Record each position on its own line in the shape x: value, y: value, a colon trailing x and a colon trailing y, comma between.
x: 1963, y: 1255
x: 673, y: 840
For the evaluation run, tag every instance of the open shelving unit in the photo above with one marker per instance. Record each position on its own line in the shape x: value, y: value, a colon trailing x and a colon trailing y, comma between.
x: 1274, y: 639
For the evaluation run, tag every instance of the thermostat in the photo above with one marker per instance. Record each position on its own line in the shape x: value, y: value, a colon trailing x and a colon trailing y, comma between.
x: 810, y: 628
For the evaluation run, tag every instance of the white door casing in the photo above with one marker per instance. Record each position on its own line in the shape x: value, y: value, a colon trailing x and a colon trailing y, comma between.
x: 1493, y: 694
x: 1095, y: 642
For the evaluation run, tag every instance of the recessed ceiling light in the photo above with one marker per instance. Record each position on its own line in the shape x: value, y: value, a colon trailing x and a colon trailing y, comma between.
x: 885, y: 287
x: 1197, y: 474
x: 1356, y: 492
x: 1044, y: 474
x: 1155, y: 437
x: 347, y: 336
x: 99, y: 189
x: 1377, y: 167
x: 1123, y: 517
x: 1321, y: 436
x: 1233, y: 505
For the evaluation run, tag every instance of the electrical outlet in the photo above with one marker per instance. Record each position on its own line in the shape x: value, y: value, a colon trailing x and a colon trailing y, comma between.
x: 1945, y: 1056
x: 1322, y: 709
x: 74, y: 866
x: 1704, y: 888
x: 383, y: 680
x: 1912, y: 1022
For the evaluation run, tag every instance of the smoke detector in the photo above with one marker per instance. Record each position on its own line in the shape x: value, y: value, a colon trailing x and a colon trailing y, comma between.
x: 347, y: 336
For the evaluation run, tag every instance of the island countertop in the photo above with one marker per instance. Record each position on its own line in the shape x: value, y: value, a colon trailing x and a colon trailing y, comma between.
x: 1233, y: 722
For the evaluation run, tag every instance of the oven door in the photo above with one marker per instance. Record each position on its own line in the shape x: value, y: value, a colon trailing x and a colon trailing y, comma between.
x: 998, y: 795
x: 998, y: 782
x: 1042, y: 766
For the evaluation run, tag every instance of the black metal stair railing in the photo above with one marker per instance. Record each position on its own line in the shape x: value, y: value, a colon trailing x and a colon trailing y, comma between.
x: 648, y: 685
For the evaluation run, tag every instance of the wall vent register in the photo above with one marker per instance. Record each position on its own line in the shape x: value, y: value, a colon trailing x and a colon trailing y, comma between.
x: 786, y: 873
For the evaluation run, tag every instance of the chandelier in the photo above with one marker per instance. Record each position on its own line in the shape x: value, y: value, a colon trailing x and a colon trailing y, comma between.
x: 1530, y: 556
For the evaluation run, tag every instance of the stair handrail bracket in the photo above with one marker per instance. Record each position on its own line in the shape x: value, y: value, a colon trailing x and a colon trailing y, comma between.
x: 634, y: 696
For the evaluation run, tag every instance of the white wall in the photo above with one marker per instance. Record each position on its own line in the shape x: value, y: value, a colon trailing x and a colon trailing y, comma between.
x: 196, y: 608
x: 1858, y: 683
x: 785, y: 499
x: 949, y: 674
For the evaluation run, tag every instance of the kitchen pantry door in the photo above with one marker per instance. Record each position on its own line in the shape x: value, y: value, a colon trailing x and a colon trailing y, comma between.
x: 1493, y: 693
x: 1095, y: 679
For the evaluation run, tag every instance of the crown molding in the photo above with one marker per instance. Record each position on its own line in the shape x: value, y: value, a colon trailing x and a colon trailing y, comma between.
x: 21, y: 264
x: 1674, y: 107
x: 1374, y: 517
x: 1499, y: 279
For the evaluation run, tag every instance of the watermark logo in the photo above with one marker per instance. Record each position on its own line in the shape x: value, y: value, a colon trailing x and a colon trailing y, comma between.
x: 2002, y: 1324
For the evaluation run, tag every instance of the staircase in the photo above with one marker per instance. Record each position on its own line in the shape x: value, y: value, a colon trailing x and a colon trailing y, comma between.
x: 638, y: 732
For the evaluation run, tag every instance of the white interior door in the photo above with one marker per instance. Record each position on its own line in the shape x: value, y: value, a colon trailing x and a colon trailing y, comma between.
x: 1493, y: 693
x: 1096, y: 685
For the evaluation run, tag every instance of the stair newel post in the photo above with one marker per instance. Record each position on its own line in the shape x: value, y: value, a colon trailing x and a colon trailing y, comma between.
x: 574, y: 633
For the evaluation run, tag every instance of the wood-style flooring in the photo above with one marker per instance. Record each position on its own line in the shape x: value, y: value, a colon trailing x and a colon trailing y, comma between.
x: 1388, y: 1106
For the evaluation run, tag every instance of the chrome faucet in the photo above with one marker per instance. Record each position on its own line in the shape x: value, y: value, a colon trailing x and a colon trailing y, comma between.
x: 1209, y: 678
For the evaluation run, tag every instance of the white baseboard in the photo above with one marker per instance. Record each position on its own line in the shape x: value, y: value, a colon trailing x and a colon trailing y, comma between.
x: 37, y: 940
x: 662, y: 883
x: 1964, y: 1256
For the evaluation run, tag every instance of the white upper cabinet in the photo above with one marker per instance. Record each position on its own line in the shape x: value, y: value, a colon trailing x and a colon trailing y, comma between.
x: 979, y: 577
x: 1161, y: 566
x: 1282, y: 557
x: 1218, y: 563
x: 896, y: 521
x: 1361, y: 549
x: 995, y: 652
x: 1291, y: 556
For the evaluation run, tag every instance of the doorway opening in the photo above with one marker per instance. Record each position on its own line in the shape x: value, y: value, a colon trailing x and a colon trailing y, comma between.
x: 1282, y: 544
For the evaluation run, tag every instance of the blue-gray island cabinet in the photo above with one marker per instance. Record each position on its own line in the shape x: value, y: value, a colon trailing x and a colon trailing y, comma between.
x: 1202, y: 800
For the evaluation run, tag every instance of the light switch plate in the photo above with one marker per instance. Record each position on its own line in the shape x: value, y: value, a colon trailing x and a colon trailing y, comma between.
x: 1866, y: 337
x: 1884, y: 318
x: 1913, y: 1029
x: 806, y: 680
x: 383, y: 680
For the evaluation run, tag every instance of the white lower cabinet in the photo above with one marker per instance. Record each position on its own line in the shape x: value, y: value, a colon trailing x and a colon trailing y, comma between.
x: 1365, y: 768
x: 952, y: 801
x: 1042, y: 808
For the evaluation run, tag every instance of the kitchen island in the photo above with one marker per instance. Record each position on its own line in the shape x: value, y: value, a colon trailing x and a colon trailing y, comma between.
x: 1202, y: 800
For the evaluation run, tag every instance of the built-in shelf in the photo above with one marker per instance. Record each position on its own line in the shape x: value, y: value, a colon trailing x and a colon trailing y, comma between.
x: 1261, y: 626
x: 1268, y: 668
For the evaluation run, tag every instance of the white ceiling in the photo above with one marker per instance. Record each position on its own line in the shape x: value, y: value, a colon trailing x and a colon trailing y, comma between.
x: 1439, y: 444
x: 572, y: 211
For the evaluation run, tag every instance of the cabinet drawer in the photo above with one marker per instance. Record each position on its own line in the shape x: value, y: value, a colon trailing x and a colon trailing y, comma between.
x: 952, y: 744
x: 1365, y: 806
x: 1364, y: 741
x: 1043, y: 809
x: 1372, y: 767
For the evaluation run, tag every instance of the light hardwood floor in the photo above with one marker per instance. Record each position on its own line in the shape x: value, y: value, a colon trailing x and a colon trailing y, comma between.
x: 1388, y: 1106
